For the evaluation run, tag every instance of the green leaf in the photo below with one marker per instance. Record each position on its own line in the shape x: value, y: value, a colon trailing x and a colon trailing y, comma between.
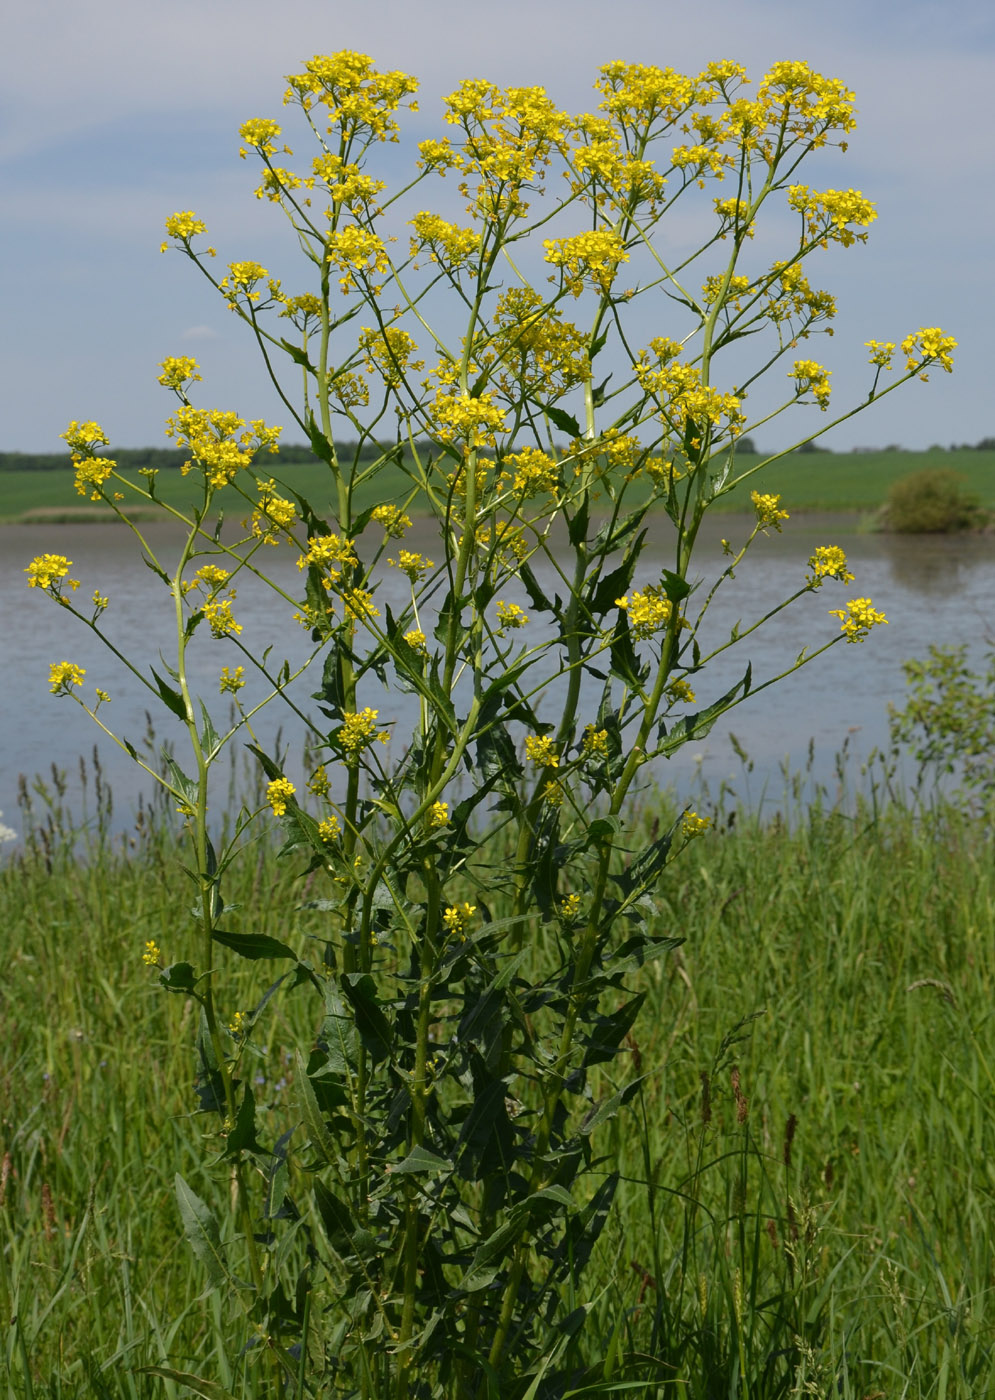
x: 242, y: 1137
x: 675, y: 587
x: 609, y: 1031
x: 696, y: 726
x: 178, y: 977
x: 564, y: 421
x: 314, y: 1120
x: 210, y: 1390
x: 372, y: 1025
x: 420, y: 1159
x: 320, y: 445
x: 298, y: 355
x: 608, y: 1108
x: 171, y: 698
x: 201, y: 1231
x: 253, y: 945
x: 598, y: 392
x: 209, y: 737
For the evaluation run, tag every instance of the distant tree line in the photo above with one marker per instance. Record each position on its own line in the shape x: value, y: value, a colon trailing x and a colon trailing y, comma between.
x: 161, y: 458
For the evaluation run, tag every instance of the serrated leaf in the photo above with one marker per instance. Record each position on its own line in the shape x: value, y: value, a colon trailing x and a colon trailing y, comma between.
x: 178, y: 977
x: 242, y: 1137
x: 201, y: 1231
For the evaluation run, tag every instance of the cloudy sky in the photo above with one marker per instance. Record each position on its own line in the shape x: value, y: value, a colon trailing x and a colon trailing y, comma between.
x: 115, y: 113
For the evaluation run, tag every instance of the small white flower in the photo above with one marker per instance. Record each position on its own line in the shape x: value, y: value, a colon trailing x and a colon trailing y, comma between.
x: 5, y: 832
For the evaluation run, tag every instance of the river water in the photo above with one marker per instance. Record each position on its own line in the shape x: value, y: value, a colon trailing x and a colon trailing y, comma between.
x: 932, y: 589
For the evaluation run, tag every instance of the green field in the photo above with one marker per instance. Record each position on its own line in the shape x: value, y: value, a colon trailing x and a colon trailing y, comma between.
x: 807, y: 481
x: 823, y: 1227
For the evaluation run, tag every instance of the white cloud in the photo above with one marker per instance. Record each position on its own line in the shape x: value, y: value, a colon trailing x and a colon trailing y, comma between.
x: 200, y: 333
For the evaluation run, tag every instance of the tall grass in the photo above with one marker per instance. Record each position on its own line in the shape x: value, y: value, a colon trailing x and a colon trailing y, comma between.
x: 806, y: 1171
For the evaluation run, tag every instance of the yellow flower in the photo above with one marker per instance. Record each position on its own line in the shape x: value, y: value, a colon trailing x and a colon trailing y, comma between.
x: 570, y: 906
x: 319, y: 783
x: 63, y: 675
x: 48, y: 570
x: 457, y: 917
x: 881, y: 352
x: 220, y: 619
x: 812, y: 378
x: 416, y: 640
x: 828, y: 561
x: 329, y: 829
x: 648, y: 612
x: 510, y: 615
x: 151, y: 955
x: 679, y: 690
x: 438, y: 814
x: 177, y: 371
x: 184, y: 226
x: 359, y: 603
x: 84, y: 437
x: 932, y: 345
x: 393, y: 520
x: 541, y: 751
x: 768, y: 510
x: 100, y: 601
x: 595, y: 255
x: 595, y: 741
x: 535, y: 473
x: 91, y: 473
x: 358, y: 730
x: 231, y: 681
x: 553, y: 794
x: 260, y: 132
x: 277, y: 793
x: 858, y: 619
x: 415, y: 565
x: 103, y: 697
x: 238, y: 1023
x: 443, y: 240
x: 693, y: 825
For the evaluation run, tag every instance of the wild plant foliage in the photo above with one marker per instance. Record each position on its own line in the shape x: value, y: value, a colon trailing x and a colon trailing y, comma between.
x: 422, y: 1224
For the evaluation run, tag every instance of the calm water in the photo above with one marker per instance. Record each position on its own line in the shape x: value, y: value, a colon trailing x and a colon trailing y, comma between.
x: 932, y: 590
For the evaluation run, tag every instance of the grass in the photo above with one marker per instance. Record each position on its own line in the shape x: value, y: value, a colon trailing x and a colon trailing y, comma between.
x: 808, y: 481
x: 807, y: 1179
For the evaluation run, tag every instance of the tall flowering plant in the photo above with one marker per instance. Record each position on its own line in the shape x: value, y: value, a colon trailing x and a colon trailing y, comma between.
x: 410, y: 1229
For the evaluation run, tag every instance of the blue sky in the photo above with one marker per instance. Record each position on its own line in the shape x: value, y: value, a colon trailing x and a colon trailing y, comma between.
x: 115, y: 113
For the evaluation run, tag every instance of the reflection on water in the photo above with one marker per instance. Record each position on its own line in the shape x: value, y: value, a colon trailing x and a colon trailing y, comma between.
x: 933, y: 590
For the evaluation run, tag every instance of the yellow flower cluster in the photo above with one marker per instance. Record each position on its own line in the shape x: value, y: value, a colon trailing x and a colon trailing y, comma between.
x: 595, y: 255
x: 355, y: 252
x: 184, y: 226
x: 359, y: 100
x: 277, y: 793
x: 274, y: 513
x: 262, y: 133
x: 552, y: 794
x: 510, y: 615
x: 220, y: 620
x: 473, y: 420
x: 439, y: 155
x: 570, y: 906
x: 648, y: 612
x: 359, y: 604
x: 768, y: 510
x: 389, y: 353
x: 415, y: 565
x: 242, y: 277
x: 679, y: 690
x: 345, y: 182
x: 595, y: 742
x: 829, y: 215
x: 438, y: 814
x: 329, y: 829
x: 214, y: 442
x: 812, y: 378
x: 828, y: 561
x: 858, y: 619
x: 881, y: 352
x: 417, y: 640
x: 693, y: 825
x: 151, y: 955
x: 457, y: 916
x: 681, y: 396
x: 178, y: 370
x: 211, y: 578
x: 535, y: 473
x: 318, y: 782
x: 359, y: 730
x: 47, y: 571
x: 929, y: 346
x: 63, y: 675
x: 444, y: 242
x: 541, y: 750
x: 539, y: 352
x: 393, y: 520
x: 231, y: 682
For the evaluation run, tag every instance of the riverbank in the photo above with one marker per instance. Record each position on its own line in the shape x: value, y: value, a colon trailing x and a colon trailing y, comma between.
x: 821, y: 1218
x: 856, y: 483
